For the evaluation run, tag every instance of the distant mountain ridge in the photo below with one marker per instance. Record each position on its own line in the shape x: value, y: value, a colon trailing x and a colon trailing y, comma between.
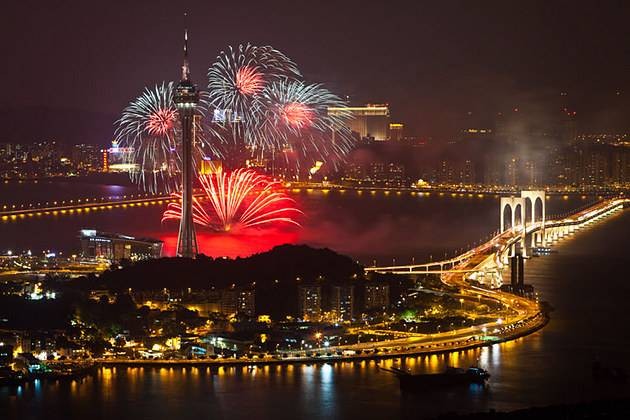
x: 65, y: 126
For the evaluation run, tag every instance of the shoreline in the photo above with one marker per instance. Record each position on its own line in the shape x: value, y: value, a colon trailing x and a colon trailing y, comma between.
x: 542, y: 320
x: 122, y: 179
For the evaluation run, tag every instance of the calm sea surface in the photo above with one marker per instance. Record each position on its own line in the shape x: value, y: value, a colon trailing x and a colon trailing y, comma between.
x: 586, y: 282
x: 379, y: 226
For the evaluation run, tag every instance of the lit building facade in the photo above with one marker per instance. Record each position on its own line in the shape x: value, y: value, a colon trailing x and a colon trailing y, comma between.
x: 238, y: 301
x: 387, y: 174
x: 115, y: 247
x: 342, y: 302
x: 369, y: 122
x: 86, y: 157
x: 310, y: 302
x: 396, y: 131
x: 116, y: 159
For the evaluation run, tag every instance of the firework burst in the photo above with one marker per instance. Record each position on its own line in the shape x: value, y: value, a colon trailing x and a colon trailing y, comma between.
x: 261, y: 103
x: 296, y: 114
x: 238, y: 200
x: 238, y: 77
x: 161, y: 122
x: 259, y: 107
x: 149, y: 129
x: 249, y: 81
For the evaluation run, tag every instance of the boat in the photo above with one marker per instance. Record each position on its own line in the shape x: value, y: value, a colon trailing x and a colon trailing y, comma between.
x: 450, y: 377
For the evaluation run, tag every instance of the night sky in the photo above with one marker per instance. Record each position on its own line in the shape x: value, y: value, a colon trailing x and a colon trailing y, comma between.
x: 433, y: 62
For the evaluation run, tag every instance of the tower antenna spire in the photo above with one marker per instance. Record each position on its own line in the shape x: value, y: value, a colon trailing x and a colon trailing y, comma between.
x: 185, y: 66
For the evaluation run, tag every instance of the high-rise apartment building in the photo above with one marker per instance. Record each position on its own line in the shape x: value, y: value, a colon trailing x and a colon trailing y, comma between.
x: 342, y: 302
x: 310, y: 302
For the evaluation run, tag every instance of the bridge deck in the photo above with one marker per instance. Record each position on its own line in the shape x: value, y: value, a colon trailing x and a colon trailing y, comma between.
x: 469, y: 260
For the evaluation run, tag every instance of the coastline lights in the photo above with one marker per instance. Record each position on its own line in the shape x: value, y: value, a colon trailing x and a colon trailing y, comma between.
x: 237, y: 200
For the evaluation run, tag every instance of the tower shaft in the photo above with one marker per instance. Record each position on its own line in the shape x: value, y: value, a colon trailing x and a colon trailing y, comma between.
x: 187, y: 240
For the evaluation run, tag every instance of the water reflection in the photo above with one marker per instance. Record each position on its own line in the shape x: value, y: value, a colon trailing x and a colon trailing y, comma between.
x: 404, y: 225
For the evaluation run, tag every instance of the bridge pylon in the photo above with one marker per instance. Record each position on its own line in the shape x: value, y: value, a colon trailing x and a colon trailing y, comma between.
x: 519, y: 213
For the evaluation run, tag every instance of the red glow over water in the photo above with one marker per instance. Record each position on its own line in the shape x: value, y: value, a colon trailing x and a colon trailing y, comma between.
x: 233, y: 245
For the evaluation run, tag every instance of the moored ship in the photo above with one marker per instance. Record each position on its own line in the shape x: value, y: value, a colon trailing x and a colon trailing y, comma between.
x: 450, y: 377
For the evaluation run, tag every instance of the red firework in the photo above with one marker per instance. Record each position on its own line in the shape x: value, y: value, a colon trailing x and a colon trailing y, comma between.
x: 297, y: 115
x: 249, y: 81
x: 161, y: 122
x: 237, y: 200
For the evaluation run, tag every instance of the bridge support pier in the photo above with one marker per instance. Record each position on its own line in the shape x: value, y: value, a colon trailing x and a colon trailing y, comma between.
x: 540, y: 237
x: 524, y: 245
x: 534, y: 239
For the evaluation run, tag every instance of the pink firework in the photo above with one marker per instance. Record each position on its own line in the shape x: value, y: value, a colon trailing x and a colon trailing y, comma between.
x: 238, y: 200
x: 297, y: 115
x: 161, y: 122
x: 249, y: 81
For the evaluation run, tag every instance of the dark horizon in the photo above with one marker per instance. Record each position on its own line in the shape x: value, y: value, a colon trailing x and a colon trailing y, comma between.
x: 438, y: 66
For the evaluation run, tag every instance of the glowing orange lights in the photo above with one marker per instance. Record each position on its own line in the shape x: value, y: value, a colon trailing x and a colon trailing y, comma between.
x: 249, y: 81
x: 238, y: 200
x: 297, y: 115
x: 161, y: 122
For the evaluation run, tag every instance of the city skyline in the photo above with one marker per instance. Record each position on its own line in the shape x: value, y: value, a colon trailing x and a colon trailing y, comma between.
x: 436, y: 64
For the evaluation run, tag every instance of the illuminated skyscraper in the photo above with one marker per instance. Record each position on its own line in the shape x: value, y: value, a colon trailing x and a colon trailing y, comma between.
x: 186, y: 99
x: 370, y: 121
